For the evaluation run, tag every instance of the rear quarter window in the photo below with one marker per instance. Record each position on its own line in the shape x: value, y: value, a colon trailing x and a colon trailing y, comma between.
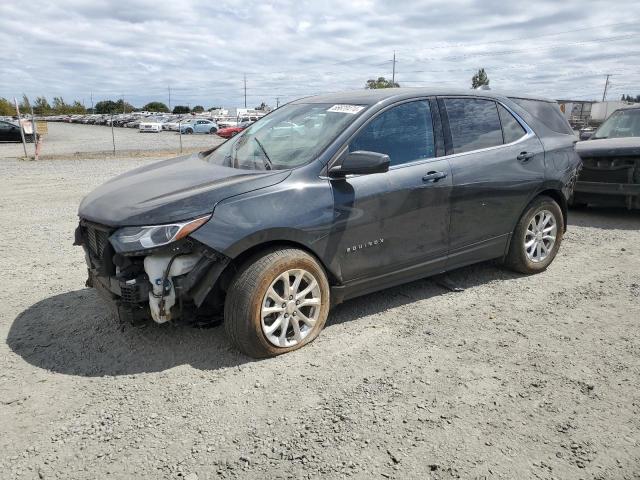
x: 546, y: 112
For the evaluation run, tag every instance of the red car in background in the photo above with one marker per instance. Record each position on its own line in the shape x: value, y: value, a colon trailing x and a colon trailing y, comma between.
x: 229, y: 132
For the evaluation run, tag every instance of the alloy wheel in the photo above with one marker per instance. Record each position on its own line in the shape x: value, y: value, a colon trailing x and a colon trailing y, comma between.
x: 540, y: 237
x: 290, y: 308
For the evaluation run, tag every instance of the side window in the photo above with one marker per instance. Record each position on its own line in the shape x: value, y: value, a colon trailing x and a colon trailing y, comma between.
x: 474, y: 123
x: 405, y: 133
x: 511, y: 128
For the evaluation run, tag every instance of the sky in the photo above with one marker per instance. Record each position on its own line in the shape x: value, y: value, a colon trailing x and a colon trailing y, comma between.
x: 201, y: 50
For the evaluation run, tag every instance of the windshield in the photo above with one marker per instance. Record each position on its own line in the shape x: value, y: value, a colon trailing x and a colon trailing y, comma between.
x: 290, y: 136
x: 621, y: 123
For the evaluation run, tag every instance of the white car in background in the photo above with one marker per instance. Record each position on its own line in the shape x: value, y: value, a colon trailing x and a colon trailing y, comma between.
x: 173, y: 125
x: 151, y: 124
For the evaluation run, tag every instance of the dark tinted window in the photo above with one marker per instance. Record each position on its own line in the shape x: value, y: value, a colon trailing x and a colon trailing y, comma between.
x: 474, y: 123
x: 511, y: 128
x: 548, y: 113
x: 405, y: 133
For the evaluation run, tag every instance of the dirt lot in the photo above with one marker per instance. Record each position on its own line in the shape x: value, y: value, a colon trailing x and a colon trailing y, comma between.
x: 66, y: 140
x: 516, y: 377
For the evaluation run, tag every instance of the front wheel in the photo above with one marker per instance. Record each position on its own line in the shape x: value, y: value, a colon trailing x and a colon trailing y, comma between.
x: 277, y: 302
x: 537, y: 237
x: 188, y: 131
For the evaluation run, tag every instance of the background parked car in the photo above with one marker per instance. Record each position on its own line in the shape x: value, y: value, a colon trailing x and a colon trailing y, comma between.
x: 10, y: 132
x: 174, y: 123
x: 229, y: 132
x: 199, y: 126
x: 152, y: 124
x: 610, y: 174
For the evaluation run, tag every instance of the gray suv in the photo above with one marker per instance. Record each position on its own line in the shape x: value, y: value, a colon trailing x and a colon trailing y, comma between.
x: 328, y: 198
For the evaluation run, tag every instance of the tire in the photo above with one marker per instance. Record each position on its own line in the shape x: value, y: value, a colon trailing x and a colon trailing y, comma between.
x: 213, y: 130
x: 188, y: 131
x: 233, y: 134
x: 248, y: 294
x: 519, y: 258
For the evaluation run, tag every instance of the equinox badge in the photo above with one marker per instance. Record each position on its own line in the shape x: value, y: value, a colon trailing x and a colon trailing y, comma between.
x: 361, y: 246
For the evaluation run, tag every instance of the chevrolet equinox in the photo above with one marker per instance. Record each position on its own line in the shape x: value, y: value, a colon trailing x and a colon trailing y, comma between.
x: 328, y: 198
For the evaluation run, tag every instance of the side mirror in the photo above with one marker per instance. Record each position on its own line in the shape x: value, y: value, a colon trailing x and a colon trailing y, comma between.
x: 586, y: 135
x: 360, y: 163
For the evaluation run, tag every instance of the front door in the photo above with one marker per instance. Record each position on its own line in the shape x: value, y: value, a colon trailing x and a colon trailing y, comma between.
x: 496, y: 164
x: 399, y: 219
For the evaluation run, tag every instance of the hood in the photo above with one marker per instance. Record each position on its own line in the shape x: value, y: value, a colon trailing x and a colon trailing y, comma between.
x: 609, y: 147
x: 169, y: 191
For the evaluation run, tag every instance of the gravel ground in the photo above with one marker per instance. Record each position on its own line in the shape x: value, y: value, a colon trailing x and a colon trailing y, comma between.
x: 66, y: 140
x: 515, y: 377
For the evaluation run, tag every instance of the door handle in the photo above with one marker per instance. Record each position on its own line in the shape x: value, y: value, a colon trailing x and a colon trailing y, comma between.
x: 434, y: 176
x: 525, y: 156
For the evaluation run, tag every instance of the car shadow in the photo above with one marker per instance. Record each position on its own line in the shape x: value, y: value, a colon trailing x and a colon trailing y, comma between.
x: 74, y: 334
x: 606, y: 218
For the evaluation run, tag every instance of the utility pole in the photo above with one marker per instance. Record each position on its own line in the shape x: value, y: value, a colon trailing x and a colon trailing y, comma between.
x: 245, y: 90
x: 606, y: 86
x: 393, y: 75
x: 123, y: 104
x: 91, y: 102
x: 169, y: 87
x: 277, y: 102
x: 24, y: 142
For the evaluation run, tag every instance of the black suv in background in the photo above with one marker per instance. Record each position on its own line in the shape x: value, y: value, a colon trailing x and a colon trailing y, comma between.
x: 611, y: 162
x: 328, y: 198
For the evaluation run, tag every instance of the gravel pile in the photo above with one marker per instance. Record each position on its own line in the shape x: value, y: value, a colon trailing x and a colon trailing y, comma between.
x: 515, y: 377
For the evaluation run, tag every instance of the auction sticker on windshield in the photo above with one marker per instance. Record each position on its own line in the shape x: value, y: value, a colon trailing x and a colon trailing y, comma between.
x: 350, y: 109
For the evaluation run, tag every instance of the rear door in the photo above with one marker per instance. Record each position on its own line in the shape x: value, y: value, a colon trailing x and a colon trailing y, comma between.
x: 398, y: 219
x: 496, y: 162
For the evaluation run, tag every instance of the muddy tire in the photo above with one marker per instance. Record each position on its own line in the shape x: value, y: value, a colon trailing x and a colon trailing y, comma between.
x: 537, y: 237
x: 277, y: 302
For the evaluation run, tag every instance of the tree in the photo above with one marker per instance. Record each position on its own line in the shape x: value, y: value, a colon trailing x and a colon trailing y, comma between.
x: 198, y: 109
x: 41, y: 106
x: 77, y: 108
x: 630, y: 98
x: 381, y: 82
x: 25, y: 105
x: 7, y: 108
x: 124, y: 107
x: 155, y: 107
x: 479, y: 79
x: 106, y: 106
x: 181, y: 109
x: 263, y: 107
x: 213, y: 108
x: 60, y: 107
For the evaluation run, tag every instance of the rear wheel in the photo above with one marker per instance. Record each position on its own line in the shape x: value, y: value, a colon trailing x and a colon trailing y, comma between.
x: 213, y: 130
x: 537, y: 236
x: 277, y: 302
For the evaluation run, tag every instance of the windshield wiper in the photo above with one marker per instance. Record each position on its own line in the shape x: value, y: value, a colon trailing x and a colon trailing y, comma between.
x: 266, y: 156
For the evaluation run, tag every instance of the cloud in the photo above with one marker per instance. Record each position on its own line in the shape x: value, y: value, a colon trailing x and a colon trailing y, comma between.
x: 287, y: 49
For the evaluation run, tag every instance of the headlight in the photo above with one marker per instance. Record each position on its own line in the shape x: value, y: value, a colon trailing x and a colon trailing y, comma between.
x: 129, y: 239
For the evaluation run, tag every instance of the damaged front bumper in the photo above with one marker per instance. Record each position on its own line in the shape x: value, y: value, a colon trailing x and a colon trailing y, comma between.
x: 609, y: 181
x: 164, y: 284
